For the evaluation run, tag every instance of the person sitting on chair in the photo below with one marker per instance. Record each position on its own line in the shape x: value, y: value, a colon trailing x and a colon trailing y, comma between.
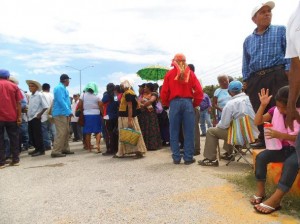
x: 286, y: 153
x: 238, y: 106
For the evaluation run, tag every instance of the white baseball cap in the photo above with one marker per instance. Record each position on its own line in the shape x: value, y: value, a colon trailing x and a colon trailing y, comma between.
x: 271, y: 4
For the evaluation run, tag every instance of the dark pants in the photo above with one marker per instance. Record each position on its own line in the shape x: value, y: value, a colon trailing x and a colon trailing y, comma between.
x: 112, y: 136
x: 77, y: 130
x: 35, y: 131
x: 12, y: 130
x: 272, y: 81
x: 290, y: 169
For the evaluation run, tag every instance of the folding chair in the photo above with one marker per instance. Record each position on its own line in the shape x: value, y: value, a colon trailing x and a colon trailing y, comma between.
x: 241, y: 132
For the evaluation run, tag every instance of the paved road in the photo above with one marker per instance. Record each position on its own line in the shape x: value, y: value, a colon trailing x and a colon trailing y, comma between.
x: 91, y: 188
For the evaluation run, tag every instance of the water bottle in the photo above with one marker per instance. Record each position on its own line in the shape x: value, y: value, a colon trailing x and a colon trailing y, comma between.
x: 271, y: 143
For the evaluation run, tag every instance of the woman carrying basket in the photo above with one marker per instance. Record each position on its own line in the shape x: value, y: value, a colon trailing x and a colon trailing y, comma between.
x: 127, y: 119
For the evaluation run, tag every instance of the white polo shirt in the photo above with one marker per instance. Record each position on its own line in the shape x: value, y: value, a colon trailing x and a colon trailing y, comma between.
x: 293, y: 35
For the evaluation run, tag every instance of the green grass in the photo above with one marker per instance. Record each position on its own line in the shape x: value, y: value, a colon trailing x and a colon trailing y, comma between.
x: 246, y: 183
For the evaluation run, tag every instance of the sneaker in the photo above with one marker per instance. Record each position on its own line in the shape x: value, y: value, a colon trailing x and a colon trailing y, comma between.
x: 228, y: 157
x: 207, y: 162
x: 2, y: 166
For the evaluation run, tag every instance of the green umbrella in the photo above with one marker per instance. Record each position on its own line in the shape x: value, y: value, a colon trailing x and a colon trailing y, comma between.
x: 153, y: 73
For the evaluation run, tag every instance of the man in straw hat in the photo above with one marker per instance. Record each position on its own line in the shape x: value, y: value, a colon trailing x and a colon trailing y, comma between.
x: 37, y: 106
x: 182, y: 92
x: 10, y: 117
x: 264, y: 65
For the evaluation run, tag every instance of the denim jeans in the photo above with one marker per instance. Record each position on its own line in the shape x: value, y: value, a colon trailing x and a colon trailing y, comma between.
x: 52, y: 131
x: 205, y: 119
x: 6, y: 144
x: 12, y: 130
x: 290, y: 169
x: 182, y: 113
x: 46, y: 134
x: 77, y: 130
x: 24, y: 136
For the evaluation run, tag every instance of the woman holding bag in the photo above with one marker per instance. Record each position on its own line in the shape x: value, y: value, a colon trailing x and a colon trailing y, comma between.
x: 128, y: 110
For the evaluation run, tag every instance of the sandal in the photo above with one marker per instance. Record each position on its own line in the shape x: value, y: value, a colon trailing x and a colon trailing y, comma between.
x: 118, y: 157
x: 255, y: 200
x: 271, y: 209
x: 207, y: 162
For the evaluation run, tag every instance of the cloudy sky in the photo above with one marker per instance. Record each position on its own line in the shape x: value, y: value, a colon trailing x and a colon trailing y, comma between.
x: 40, y: 38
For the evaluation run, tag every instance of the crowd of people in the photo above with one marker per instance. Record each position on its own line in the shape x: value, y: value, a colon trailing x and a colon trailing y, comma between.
x: 169, y: 115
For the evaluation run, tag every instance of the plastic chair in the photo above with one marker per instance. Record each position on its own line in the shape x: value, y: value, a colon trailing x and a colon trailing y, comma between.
x: 241, y: 132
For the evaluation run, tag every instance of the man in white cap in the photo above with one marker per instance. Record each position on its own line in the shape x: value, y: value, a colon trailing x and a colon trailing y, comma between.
x: 37, y: 106
x: 10, y: 117
x: 264, y: 65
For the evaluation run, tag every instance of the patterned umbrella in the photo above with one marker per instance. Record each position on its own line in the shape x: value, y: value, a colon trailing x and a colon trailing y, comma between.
x: 153, y: 73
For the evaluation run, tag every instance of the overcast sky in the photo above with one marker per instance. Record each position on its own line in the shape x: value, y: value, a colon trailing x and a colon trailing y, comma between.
x: 39, y: 38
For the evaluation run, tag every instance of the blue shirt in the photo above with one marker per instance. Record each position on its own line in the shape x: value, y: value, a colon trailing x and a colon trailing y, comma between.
x: 61, y: 102
x: 222, y: 97
x: 206, y: 103
x: 112, y: 108
x: 264, y: 51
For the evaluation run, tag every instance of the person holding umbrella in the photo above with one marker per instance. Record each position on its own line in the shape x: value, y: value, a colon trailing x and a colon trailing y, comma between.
x: 182, y: 92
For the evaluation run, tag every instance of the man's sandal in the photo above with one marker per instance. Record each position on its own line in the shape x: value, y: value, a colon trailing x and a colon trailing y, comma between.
x: 255, y: 200
x: 207, y: 162
x: 270, y: 209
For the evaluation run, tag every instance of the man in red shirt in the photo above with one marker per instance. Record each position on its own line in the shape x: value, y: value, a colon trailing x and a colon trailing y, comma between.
x: 181, y: 91
x: 10, y: 117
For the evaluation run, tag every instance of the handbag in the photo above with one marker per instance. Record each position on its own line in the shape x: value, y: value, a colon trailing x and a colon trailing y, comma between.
x: 81, y: 119
x: 79, y: 113
x: 129, y: 136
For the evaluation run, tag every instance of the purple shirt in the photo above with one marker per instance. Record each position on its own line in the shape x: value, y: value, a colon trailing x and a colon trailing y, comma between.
x: 206, y: 103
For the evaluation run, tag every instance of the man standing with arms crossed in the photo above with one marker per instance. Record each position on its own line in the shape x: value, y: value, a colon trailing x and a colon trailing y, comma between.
x: 264, y: 65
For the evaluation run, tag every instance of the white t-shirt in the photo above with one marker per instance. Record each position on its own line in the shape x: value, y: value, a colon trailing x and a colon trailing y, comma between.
x: 73, y: 108
x: 293, y: 35
x: 49, y: 99
x: 90, y: 103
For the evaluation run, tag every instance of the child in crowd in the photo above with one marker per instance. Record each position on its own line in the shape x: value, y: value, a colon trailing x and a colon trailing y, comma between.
x: 285, y: 154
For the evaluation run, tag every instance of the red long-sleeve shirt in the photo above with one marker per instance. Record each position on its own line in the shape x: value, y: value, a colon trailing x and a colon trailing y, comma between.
x: 173, y: 88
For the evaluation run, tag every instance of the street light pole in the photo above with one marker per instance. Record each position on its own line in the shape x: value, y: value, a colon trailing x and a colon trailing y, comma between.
x: 90, y: 66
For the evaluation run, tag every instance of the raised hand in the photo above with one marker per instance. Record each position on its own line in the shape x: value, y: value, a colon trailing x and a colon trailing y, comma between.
x: 264, y: 97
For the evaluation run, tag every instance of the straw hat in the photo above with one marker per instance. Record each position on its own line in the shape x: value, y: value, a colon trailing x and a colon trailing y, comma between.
x: 35, y: 83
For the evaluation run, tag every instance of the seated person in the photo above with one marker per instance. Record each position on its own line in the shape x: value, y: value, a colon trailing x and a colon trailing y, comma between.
x: 286, y: 154
x: 238, y: 106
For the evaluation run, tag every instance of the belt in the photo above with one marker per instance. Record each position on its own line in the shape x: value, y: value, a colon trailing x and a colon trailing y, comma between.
x: 268, y: 70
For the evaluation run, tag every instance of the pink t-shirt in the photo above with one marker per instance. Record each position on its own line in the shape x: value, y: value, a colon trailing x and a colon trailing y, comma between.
x: 296, y: 126
x: 10, y: 96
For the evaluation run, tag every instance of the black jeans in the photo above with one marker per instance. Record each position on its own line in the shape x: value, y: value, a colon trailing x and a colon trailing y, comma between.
x: 111, y: 135
x: 272, y: 81
x: 12, y: 130
x: 35, y: 131
x: 77, y: 130
x: 290, y: 169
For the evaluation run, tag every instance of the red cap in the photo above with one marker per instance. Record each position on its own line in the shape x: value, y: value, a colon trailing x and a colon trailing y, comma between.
x: 268, y: 125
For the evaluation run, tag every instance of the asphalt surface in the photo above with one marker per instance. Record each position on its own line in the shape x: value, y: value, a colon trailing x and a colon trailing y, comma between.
x: 91, y: 188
